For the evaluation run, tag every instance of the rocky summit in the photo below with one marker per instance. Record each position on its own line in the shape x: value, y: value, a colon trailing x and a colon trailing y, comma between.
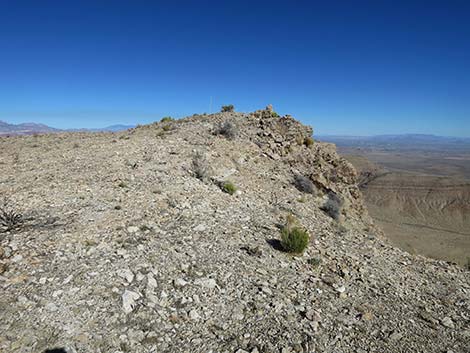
x: 167, y: 238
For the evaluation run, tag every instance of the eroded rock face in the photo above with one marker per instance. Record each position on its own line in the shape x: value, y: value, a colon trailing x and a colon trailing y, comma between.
x: 125, y: 249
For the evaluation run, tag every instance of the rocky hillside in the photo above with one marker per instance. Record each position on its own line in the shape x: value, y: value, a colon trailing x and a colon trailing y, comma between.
x: 130, y: 244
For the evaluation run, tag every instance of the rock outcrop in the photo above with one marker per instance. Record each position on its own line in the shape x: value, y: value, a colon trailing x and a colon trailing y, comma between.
x: 125, y: 249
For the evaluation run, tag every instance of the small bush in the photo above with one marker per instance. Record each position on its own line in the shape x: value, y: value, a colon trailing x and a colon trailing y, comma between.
x: 10, y: 218
x: 200, y: 166
x: 227, y: 129
x: 122, y: 184
x: 167, y: 128
x: 227, y: 108
x: 274, y: 115
x: 229, y: 187
x: 166, y: 119
x: 333, y: 206
x: 294, y: 239
x: 304, y: 184
x: 308, y: 141
x: 314, y: 262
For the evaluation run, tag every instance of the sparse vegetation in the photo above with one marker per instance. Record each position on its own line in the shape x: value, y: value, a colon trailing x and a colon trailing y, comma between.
x: 294, y: 239
x: 275, y: 115
x: 229, y: 187
x: 227, y: 108
x: 200, y: 166
x: 314, y: 262
x: 333, y: 206
x: 10, y: 217
x: 166, y: 119
x: 304, y: 184
x: 227, y: 129
x: 308, y: 141
x: 122, y: 184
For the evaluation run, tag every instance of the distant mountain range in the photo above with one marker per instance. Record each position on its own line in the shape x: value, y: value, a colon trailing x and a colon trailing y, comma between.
x: 34, y: 128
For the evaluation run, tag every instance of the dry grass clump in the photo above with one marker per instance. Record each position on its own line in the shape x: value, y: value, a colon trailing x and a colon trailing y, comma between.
x: 200, y: 166
x: 333, y: 206
x: 10, y: 218
x: 227, y: 129
x: 294, y: 239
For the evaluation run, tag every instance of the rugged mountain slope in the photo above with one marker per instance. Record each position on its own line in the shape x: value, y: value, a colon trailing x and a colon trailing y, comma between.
x: 420, y: 213
x: 125, y: 250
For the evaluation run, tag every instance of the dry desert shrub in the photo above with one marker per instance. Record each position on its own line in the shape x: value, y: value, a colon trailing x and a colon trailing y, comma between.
x: 304, y: 184
x: 227, y: 129
x: 333, y: 206
x: 200, y: 166
x: 10, y: 217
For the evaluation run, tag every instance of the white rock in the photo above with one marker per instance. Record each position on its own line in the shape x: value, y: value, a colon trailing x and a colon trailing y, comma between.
x: 126, y: 274
x: 57, y: 293
x: 151, y: 281
x: 179, y: 282
x: 132, y: 229
x: 209, y: 283
x: 17, y: 258
x: 200, y: 228
x: 447, y: 322
x: 51, y: 307
x: 194, y: 315
x: 139, y: 276
x: 267, y: 291
x: 341, y: 289
x: 68, y: 279
x: 129, y: 300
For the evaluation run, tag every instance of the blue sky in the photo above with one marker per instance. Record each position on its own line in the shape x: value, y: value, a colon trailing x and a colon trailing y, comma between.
x: 344, y: 67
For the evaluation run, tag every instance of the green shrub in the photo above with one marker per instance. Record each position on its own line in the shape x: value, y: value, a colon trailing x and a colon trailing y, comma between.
x: 167, y: 127
x: 308, y: 141
x: 294, y: 239
x: 314, y: 262
x: 166, y: 119
x: 227, y: 108
x: 229, y: 187
x: 274, y: 115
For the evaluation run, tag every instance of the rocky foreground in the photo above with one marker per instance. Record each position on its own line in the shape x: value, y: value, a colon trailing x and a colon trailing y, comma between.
x: 130, y: 244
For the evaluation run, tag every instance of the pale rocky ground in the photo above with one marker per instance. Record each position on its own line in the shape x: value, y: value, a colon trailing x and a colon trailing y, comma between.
x: 125, y: 250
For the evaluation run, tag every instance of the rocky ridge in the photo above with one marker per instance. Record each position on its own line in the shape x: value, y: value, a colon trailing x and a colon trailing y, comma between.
x: 124, y: 250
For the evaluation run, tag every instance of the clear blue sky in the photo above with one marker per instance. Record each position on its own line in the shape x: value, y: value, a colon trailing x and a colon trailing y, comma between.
x: 346, y: 67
